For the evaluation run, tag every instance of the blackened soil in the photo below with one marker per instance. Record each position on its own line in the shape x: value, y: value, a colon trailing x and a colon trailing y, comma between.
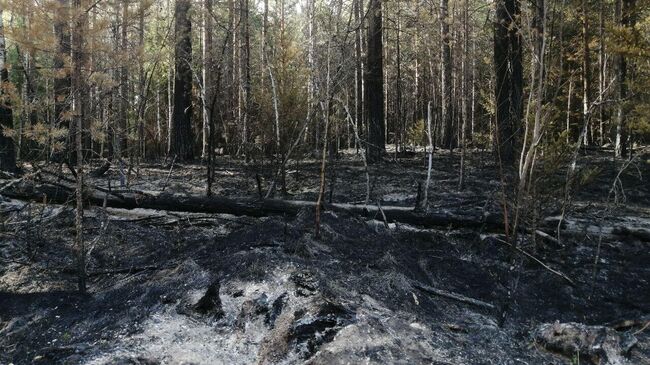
x: 348, y: 296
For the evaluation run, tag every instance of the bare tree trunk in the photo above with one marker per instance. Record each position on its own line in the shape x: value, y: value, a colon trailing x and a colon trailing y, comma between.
x: 7, y: 151
x: 399, y: 125
x: 375, y: 85
x: 425, y: 201
x: 207, y: 86
x: 78, y: 110
x: 141, y: 82
x: 274, y: 92
x: 158, y: 117
x: 311, y: 87
x: 568, y: 110
x: 170, y: 105
x: 325, y: 106
x: 417, y: 108
x: 527, y: 163
x: 625, y: 18
x: 473, y: 110
x: 112, y: 126
x: 601, y: 72
x: 94, y: 103
x: 586, y: 71
x: 361, y: 65
x: 182, y: 139
x: 358, y: 72
x: 445, y: 77
x: 509, y: 79
x: 124, y: 87
x: 245, y: 72
x: 170, y: 92
x: 235, y: 71
x: 464, y: 114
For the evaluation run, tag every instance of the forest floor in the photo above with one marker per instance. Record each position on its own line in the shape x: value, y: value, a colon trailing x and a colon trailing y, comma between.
x: 188, y: 288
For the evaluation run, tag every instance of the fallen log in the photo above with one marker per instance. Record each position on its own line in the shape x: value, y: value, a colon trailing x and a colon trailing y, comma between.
x: 455, y: 296
x: 62, y: 194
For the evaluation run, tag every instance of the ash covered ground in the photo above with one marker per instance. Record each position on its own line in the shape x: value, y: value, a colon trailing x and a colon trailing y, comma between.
x: 181, y: 288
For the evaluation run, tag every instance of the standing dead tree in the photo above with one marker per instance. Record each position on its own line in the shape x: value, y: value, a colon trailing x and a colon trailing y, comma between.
x: 374, y: 84
x: 78, y: 58
x: 509, y: 79
x: 181, y: 137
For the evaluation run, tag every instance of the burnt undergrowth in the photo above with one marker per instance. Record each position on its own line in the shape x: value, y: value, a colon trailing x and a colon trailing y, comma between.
x: 195, y: 288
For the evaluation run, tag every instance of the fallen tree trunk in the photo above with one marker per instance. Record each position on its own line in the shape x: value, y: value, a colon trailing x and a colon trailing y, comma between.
x: 62, y: 194
x: 455, y: 296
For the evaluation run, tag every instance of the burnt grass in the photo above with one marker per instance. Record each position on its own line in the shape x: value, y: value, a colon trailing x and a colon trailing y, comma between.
x: 348, y: 296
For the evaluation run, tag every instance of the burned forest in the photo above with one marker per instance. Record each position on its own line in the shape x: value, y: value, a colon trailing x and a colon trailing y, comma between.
x: 325, y: 182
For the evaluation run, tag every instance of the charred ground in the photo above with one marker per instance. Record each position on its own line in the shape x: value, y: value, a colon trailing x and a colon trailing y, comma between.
x: 359, y: 293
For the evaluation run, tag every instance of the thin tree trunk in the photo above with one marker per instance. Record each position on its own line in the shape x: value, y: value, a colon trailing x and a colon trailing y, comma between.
x: 207, y: 74
x: 311, y: 87
x: 141, y: 81
x: 245, y: 73
x: 425, y: 201
x: 358, y: 73
x: 124, y: 87
x: 568, y: 110
x: 78, y: 110
x: 473, y: 112
x: 274, y: 92
x: 464, y: 114
x: 601, y: 72
x: 625, y: 18
x: 445, y: 77
x: 399, y: 132
x: 586, y: 71
x: 170, y: 105
x: 417, y: 111
x: 527, y: 162
x: 170, y: 91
